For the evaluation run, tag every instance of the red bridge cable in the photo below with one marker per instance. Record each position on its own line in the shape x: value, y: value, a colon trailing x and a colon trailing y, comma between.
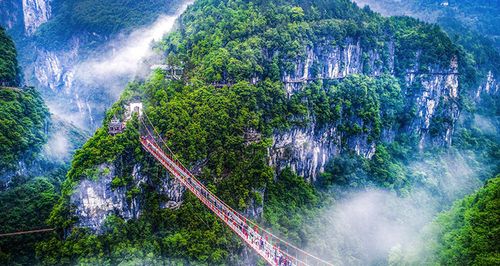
x: 27, y: 232
x: 242, y: 220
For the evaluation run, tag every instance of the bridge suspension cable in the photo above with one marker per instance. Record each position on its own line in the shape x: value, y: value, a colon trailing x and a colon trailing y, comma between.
x: 271, y: 248
x: 27, y: 232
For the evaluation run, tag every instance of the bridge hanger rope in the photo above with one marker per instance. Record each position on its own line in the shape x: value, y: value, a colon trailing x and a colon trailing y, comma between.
x: 262, y: 229
x: 27, y: 232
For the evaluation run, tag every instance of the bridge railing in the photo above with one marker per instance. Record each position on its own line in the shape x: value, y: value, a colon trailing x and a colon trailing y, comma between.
x: 270, y: 247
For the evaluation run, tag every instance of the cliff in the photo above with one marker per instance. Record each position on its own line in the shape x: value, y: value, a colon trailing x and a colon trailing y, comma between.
x: 269, y: 96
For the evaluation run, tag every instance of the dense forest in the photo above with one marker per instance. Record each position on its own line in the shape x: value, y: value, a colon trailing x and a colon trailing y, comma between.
x: 23, y: 114
x: 23, y: 117
x: 221, y: 42
x: 100, y: 18
x: 469, y: 232
x: 8, y: 61
x: 457, y: 16
x: 25, y: 128
x: 470, y: 24
x: 234, y: 56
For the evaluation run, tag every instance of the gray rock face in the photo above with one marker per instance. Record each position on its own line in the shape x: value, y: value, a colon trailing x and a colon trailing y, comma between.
x: 307, y: 150
x: 173, y: 191
x: 24, y: 16
x: 95, y: 199
x: 337, y: 62
x: 53, y: 71
x: 35, y: 13
x: 438, y: 97
x: 490, y: 86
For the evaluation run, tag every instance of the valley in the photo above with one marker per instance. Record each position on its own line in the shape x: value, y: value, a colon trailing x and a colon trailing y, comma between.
x: 359, y: 138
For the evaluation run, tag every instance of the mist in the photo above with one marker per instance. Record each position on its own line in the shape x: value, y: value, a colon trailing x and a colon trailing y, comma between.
x: 126, y: 56
x: 98, y: 80
x: 58, y: 148
x: 486, y: 125
x: 373, y: 226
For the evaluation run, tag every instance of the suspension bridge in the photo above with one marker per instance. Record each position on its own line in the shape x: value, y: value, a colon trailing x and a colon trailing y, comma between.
x: 272, y: 249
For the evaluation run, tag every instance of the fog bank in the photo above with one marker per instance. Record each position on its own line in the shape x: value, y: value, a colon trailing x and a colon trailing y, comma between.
x: 374, y: 226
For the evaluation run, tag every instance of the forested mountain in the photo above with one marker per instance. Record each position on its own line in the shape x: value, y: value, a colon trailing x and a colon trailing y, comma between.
x: 100, y: 18
x: 281, y: 104
x: 455, y: 15
x: 469, y: 232
x: 21, y: 138
x: 471, y: 24
x: 30, y: 172
x: 61, y: 42
x: 282, y: 108
x: 8, y: 61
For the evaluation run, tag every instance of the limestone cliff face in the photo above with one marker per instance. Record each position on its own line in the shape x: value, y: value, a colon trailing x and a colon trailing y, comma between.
x: 53, y: 71
x: 490, y: 86
x: 36, y: 12
x: 95, y: 198
x: 23, y: 17
x: 335, y: 62
x: 432, y: 96
x: 436, y: 105
x: 63, y: 140
x: 11, y: 14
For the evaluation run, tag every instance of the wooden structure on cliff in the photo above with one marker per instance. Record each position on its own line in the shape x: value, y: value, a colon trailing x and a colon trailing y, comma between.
x: 115, y: 126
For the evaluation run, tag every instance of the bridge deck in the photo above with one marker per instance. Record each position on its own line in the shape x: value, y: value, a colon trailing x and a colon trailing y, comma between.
x: 266, y: 245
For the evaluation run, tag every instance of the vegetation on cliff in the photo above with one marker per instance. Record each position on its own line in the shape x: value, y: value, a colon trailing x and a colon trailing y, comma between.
x: 23, y: 123
x: 470, y: 232
x: 8, y: 60
x: 223, y: 45
x: 234, y: 55
x: 100, y: 18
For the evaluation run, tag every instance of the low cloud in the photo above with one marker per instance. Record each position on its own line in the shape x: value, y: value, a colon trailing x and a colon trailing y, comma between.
x: 58, y: 148
x: 99, y: 80
x: 375, y: 226
x: 486, y: 125
x: 125, y: 56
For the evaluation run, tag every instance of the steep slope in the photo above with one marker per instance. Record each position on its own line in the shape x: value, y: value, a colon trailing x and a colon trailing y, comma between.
x: 23, y: 130
x: 478, y: 16
x: 471, y: 24
x: 467, y: 233
x: 23, y: 127
x: 33, y: 159
x: 470, y: 230
x: 55, y: 37
x: 270, y: 94
x: 9, y: 75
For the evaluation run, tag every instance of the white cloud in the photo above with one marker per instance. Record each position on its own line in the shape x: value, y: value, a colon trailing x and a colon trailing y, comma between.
x: 126, y: 55
x: 58, y: 148
x: 367, y: 227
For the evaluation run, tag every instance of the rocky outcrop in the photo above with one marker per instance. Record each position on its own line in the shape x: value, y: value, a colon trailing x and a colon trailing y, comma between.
x: 335, y: 62
x: 435, y: 99
x: 490, y: 86
x: 36, y: 12
x: 96, y: 198
x: 53, y: 71
x: 433, y: 96
x: 172, y: 190
x: 307, y: 150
